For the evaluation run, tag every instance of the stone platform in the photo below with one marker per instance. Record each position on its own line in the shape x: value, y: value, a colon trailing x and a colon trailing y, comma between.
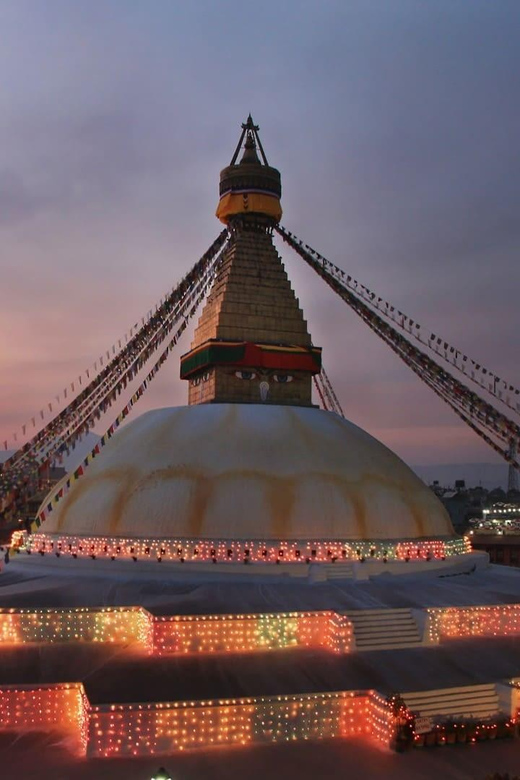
x: 260, y: 663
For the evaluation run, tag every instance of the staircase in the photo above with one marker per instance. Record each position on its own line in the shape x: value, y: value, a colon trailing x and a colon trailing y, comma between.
x: 339, y: 570
x: 469, y: 701
x: 384, y: 629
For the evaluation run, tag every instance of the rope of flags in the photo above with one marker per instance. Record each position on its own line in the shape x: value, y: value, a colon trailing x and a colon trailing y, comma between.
x: 105, y: 400
x: 20, y: 474
x: 23, y: 476
x: 162, y: 312
x: 78, y: 423
x: 476, y: 412
x: 77, y: 383
x: 506, y: 392
x: 328, y: 397
x: 456, y: 403
x: 64, y: 488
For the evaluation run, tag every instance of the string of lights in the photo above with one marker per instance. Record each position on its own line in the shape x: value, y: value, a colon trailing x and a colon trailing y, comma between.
x: 62, y: 706
x: 254, y: 632
x: 233, y: 633
x: 122, y: 625
x: 116, y: 730
x: 219, y: 551
x: 445, y: 623
x: 178, y: 634
x: 154, y: 729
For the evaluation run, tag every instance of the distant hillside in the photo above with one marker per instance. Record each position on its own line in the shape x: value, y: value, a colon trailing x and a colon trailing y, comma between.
x: 489, y: 475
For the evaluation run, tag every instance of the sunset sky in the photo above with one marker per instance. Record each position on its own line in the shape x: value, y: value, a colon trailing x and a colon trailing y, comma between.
x: 395, y: 125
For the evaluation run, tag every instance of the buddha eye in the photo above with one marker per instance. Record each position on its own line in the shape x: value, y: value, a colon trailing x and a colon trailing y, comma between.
x: 283, y: 378
x: 248, y: 375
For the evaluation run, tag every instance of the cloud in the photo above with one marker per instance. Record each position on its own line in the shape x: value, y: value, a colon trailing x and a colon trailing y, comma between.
x: 394, y: 126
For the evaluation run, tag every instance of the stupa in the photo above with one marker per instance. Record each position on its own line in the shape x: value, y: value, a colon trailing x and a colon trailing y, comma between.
x: 250, y: 569
x: 252, y: 471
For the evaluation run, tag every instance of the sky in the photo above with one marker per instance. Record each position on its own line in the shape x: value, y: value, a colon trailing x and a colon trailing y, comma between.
x: 395, y: 125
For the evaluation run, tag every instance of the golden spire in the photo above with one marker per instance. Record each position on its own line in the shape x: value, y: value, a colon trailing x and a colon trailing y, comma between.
x: 252, y: 186
x: 251, y: 344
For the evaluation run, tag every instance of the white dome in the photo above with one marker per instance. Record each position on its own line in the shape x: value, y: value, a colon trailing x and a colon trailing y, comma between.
x: 248, y: 472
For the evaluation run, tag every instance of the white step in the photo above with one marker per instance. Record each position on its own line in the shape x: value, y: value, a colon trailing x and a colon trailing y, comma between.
x: 366, y: 647
x: 379, y: 619
x: 384, y: 629
x: 467, y: 701
x: 392, y: 628
x: 380, y: 611
x: 339, y: 571
x: 376, y: 641
x: 463, y: 710
x: 454, y: 690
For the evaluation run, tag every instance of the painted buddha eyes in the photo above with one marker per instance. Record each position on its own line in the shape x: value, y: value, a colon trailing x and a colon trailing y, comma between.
x: 201, y: 378
x: 249, y: 375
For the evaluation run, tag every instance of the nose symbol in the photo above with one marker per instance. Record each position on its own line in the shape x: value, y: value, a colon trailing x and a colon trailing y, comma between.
x: 264, y: 390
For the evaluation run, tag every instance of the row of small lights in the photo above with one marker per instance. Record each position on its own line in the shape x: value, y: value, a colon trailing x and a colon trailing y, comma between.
x: 464, y: 732
x: 122, y: 625
x: 458, y: 622
x: 155, y: 728
x: 62, y: 705
x: 231, y: 552
x: 511, y: 510
x: 135, y: 729
x: 180, y: 633
x: 234, y: 633
x: 254, y: 632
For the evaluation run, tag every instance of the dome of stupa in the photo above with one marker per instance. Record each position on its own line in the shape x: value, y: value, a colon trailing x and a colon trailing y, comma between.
x: 251, y: 470
x: 246, y: 471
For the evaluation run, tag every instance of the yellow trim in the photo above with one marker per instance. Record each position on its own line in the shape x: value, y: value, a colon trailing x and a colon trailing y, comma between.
x: 288, y: 348
x: 210, y: 342
x: 248, y: 202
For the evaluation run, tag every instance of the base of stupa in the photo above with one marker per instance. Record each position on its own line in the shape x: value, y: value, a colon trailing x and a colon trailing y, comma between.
x: 202, y: 665
x: 305, y: 560
x: 247, y: 570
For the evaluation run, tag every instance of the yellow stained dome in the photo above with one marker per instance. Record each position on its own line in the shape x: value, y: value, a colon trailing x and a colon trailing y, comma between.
x: 235, y: 471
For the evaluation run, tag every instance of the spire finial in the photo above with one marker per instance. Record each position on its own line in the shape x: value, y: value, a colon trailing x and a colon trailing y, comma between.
x: 250, y: 133
x: 250, y: 189
x: 250, y: 125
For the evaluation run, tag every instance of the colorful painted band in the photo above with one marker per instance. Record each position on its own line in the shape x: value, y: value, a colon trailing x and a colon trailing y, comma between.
x: 234, y: 203
x: 244, y: 353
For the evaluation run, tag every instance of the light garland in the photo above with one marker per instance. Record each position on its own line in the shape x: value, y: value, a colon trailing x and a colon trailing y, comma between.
x: 445, y: 623
x: 62, y: 707
x: 233, y: 633
x: 181, y: 634
x: 124, y: 625
x: 498, y: 519
x: 116, y: 730
x: 183, y: 550
x: 380, y: 718
x: 153, y: 729
x: 245, y: 633
x: 450, y: 732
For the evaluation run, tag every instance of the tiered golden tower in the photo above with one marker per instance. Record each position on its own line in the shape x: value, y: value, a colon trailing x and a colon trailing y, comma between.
x: 251, y: 344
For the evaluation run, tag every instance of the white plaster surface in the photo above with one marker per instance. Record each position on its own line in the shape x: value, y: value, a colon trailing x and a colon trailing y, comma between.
x: 248, y: 471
